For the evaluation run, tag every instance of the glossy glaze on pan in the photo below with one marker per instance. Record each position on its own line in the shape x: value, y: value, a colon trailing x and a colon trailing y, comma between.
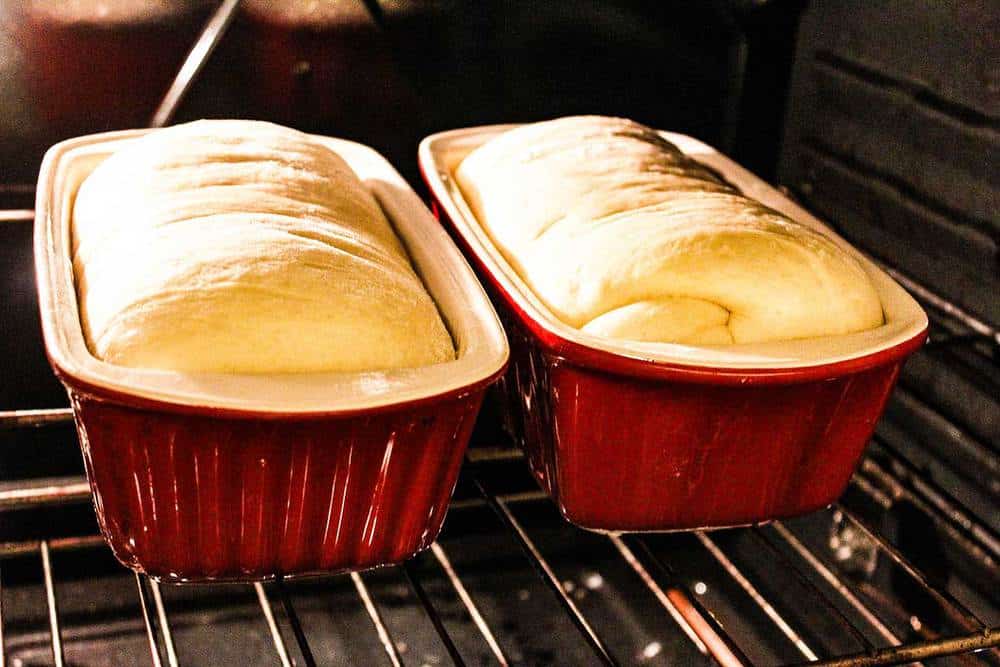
x: 654, y: 436
x: 224, y: 477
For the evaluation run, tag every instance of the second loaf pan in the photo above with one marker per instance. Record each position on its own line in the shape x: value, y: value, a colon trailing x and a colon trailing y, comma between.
x: 630, y: 436
x: 205, y: 476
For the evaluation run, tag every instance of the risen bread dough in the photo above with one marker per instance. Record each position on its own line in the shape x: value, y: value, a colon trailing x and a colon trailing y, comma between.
x: 244, y: 247
x: 622, y: 235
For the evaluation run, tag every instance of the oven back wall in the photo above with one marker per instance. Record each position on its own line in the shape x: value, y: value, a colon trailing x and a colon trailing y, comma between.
x: 893, y: 134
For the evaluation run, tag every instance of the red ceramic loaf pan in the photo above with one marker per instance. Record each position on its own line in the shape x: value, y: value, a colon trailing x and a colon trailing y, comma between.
x: 630, y: 436
x: 222, y: 477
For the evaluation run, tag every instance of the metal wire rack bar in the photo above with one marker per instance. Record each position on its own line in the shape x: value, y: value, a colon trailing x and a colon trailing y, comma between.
x: 25, y: 547
x: 545, y: 570
x: 161, y: 615
x: 50, y: 599
x: 956, y: 609
x: 209, y: 38
x: 906, y: 481
x: 16, y: 419
x: 147, y: 616
x: 876, y: 495
x: 294, y: 622
x: 17, y: 215
x: 801, y: 576
x: 272, y: 625
x: 698, y: 613
x: 756, y: 596
x: 836, y: 583
x: 687, y: 626
x: 902, y: 479
x: 942, y: 304
x: 434, y: 616
x: 916, y: 651
x: 469, y: 604
x: 380, y: 628
x: 722, y: 648
x: 40, y: 492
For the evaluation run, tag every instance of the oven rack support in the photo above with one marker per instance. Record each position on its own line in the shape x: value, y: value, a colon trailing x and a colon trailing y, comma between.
x: 679, y: 602
x: 882, y: 481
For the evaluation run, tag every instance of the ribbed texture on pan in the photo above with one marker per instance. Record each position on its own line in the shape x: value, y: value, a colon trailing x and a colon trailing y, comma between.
x: 621, y: 453
x: 186, y: 498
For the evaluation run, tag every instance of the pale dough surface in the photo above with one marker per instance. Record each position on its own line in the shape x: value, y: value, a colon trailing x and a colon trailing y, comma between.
x: 244, y: 247
x: 622, y: 235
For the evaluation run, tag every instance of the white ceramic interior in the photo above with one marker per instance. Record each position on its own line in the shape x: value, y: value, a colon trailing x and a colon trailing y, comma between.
x: 479, y: 338
x: 441, y: 153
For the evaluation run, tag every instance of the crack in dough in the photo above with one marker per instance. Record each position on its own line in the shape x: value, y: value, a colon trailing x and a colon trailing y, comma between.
x: 244, y: 247
x: 622, y: 235
x: 681, y: 319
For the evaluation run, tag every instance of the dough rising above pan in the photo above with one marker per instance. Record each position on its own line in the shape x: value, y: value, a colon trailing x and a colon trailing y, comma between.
x: 244, y: 247
x: 622, y: 235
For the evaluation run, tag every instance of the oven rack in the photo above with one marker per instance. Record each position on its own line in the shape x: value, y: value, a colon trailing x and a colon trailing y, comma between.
x: 678, y: 598
x: 887, y: 476
x: 851, y: 604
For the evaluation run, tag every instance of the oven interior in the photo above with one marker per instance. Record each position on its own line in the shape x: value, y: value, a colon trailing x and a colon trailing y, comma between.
x: 882, y: 118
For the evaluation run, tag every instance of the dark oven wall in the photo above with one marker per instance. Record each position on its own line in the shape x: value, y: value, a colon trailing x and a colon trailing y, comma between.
x: 385, y: 73
x: 893, y: 134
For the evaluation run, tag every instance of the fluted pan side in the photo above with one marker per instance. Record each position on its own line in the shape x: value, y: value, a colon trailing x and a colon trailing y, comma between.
x: 187, y: 497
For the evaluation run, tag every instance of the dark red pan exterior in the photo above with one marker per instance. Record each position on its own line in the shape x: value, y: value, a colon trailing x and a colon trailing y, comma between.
x: 188, y: 495
x: 196, y: 490
x: 623, y: 444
